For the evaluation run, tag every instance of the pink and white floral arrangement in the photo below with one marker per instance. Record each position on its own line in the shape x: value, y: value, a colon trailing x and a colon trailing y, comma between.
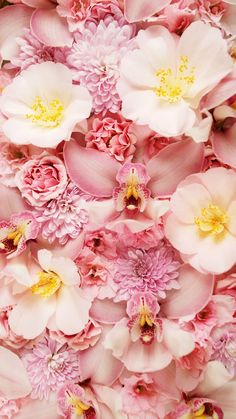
x: 118, y: 209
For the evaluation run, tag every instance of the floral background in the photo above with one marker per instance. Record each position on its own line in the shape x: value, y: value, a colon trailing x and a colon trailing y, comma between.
x: 118, y: 209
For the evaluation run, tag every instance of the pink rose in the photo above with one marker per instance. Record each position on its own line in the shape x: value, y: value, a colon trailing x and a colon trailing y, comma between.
x: 42, y: 179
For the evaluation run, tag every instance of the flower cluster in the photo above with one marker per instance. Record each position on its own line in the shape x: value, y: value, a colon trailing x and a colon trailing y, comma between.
x: 118, y: 215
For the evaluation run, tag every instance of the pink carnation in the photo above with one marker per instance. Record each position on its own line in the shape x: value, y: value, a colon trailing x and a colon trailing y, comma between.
x: 95, y: 58
x: 113, y: 137
x: 42, y: 179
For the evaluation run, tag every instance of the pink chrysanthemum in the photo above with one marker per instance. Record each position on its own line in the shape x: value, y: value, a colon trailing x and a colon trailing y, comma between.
x: 63, y: 218
x: 95, y: 57
x: 32, y: 51
x: 154, y: 270
x: 49, y: 365
x: 224, y: 346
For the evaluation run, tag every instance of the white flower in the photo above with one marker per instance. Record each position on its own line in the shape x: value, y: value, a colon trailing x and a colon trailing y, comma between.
x: 42, y: 105
x: 163, y: 81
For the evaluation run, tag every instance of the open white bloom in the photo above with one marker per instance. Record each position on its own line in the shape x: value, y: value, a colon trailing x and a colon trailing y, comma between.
x: 42, y: 105
x: 163, y: 81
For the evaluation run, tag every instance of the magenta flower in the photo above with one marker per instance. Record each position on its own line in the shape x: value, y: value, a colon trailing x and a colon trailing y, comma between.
x: 154, y: 270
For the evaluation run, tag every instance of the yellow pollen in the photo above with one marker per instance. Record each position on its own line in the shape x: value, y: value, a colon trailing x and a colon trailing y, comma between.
x: 48, y: 284
x: 144, y: 316
x: 173, y: 85
x: 79, y: 406
x: 46, y: 114
x: 212, y: 221
x: 200, y: 413
x: 17, y: 234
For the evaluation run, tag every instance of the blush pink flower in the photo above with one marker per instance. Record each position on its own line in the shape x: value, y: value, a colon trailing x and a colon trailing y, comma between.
x: 8, y: 337
x: 113, y: 137
x: 201, y: 224
x: 102, y: 242
x: 11, y: 159
x: 42, y: 179
x: 190, y: 368
x: 15, y: 233
x: 81, y: 341
x: 49, y: 365
x: 154, y: 270
x: 8, y: 408
x: 33, y: 51
x: 62, y: 218
x: 95, y: 58
x: 224, y: 346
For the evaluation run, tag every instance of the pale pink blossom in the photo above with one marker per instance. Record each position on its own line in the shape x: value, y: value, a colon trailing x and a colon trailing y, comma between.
x: 81, y: 341
x: 113, y: 137
x: 42, y: 179
x: 224, y: 346
x: 49, y: 295
x: 11, y: 159
x: 154, y: 270
x: 164, y: 90
x: 201, y: 224
x: 8, y: 337
x: 95, y: 59
x: 49, y: 365
x: 8, y: 408
x: 102, y: 242
x: 62, y: 218
x: 33, y: 51
x: 15, y: 233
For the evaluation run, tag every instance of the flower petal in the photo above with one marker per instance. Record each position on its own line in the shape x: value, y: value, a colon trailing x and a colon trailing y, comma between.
x: 136, y: 10
x: 178, y: 341
x: 50, y: 28
x: 224, y: 145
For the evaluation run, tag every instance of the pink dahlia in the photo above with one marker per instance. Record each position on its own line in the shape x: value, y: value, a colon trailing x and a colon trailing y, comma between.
x: 63, y: 218
x: 154, y: 270
x: 32, y: 51
x: 49, y: 365
x: 95, y: 57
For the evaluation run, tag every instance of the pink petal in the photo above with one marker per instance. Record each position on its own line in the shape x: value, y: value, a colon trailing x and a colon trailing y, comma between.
x: 13, y: 19
x: 39, y: 4
x: 93, y: 171
x: 225, y: 397
x: 194, y: 293
x: 14, y: 382
x: 224, y: 145
x: 99, y: 364
x: 50, y: 28
x: 13, y: 203
x: 178, y: 341
x: 136, y: 10
x: 171, y: 166
x: 100, y: 309
x: 215, y: 377
x: 223, y: 91
x: 40, y: 409
x: 72, y: 312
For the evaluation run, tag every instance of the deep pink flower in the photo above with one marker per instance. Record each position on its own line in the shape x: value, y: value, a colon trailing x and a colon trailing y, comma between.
x: 42, y: 179
x: 95, y: 58
x: 15, y: 233
x: 33, y: 51
x: 63, y: 218
x: 154, y: 270
x: 114, y: 137
x: 49, y: 365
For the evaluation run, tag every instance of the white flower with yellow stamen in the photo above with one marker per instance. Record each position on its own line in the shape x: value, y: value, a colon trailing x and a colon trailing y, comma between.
x: 163, y: 81
x: 42, y: 106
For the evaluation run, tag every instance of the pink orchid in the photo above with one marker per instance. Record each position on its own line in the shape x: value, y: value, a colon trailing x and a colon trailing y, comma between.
x: 49, y: 295
x: 133, y: 187
x: 15, y: 233
x: 136, y: 10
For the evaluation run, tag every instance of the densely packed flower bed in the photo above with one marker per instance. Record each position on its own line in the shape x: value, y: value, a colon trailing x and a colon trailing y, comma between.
x: 118, y: 209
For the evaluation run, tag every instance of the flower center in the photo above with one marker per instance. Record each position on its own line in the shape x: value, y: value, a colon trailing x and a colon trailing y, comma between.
x: 80, y: 408
x: 131, y: 193
x: 212, y: 221
x: 147, y: 327
x: 48, y: 284
x: 173, y: 85
x: 16, y: 234
x: 46, y: 114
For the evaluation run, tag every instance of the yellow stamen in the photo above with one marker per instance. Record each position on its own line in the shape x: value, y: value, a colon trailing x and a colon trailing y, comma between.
x: 212, y: 221
x: 199, y: 413
x: 17, y: 234
x: 173, y: 85
x: 48, y: 284
x: 144, y: 316
x: 46, y: 114
x: 79, y: 406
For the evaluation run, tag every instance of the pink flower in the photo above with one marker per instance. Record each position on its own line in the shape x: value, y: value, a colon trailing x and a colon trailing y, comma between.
x: 113, y: 137
x: 15, y: 233
x: 42, y: 179
x: 201, y: 224
x: 102, y: 242
x: 190, y: 368
x: 63, y: 218
x: 11, y: 159
x: 95, y: 58
x: 154, y: 270
x: 141, y: 397
x: 224, y: 346
x: 81, y: 341
x: 8, y: 337
x: 8, y: 408
x: 33, y: 51
x: 49, y: 365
